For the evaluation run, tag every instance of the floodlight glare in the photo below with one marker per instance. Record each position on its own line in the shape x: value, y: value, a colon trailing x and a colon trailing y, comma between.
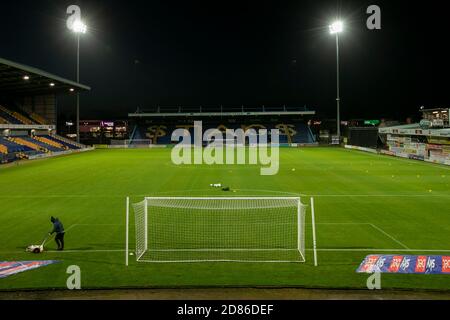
x: 79, y: 27
x: 26, y: 78
x: 337, y: 27
x: 52, y: 84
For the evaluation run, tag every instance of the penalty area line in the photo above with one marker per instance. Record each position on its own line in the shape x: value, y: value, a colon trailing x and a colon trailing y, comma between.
x: 389, y: 236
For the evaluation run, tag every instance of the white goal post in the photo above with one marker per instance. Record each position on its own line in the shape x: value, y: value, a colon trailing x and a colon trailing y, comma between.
x: 218, y: 229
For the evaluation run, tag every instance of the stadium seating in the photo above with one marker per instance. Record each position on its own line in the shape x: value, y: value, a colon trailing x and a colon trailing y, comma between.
x: 3, y: 149
x: 25, y: 141
x: 37, y: 118
x: 63, y: 142
x: 22, y: 146
x: 6, y: 115
x: 21, y: 118
x: 304, y: 134
x: 15, y: 117
x: 290, y: 133
x: 11, y: 151
x: 50, y: 143
x: 42, y: 145
x: 14, y: 147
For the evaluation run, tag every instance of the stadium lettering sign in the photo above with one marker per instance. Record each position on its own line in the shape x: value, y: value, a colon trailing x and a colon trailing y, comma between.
x: 228, y: 148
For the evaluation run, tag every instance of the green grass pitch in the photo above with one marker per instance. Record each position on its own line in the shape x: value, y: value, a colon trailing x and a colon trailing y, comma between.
x: 364, y: 204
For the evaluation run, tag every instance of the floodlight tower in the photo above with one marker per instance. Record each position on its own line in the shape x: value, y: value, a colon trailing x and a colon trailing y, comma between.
x: 78, y: 28
x: 336, y: 28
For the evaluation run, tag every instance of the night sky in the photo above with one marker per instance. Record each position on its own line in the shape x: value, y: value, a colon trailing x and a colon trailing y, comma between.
x: 235, y: 53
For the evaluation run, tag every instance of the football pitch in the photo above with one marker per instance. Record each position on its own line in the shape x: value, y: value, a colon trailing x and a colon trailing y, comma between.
x: 365, y: 204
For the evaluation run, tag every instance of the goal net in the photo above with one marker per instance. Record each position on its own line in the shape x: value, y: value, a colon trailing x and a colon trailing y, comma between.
x: 246, y: 229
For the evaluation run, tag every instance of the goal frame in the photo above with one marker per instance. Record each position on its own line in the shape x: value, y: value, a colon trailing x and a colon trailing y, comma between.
x: 300, y: 237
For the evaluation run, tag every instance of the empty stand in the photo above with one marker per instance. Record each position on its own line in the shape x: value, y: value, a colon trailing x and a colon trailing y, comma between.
x: 24, y: 141
x: 290, y: 133
x: 50, y: 143
x: 14, y: 117
x: 21, y: 118
x: 64, y: 142
x: 46, y: 147
x: 6, y: 115
x: 37, y: 118
x: 14, y: 147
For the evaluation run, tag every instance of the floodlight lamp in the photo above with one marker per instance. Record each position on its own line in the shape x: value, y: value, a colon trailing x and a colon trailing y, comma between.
x: 79, y: 27
x: 26, y: 78
x: 337, y: 27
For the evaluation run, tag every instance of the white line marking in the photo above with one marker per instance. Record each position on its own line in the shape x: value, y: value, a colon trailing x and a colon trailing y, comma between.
x: 421, y: 195
x: 381, y: 250
x: 322, y: 250
x: 368, y: 224
x: 381, y: 195
x: 388, y: 235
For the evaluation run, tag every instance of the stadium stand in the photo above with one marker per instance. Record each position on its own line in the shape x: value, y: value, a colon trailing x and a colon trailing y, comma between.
x: 8, y: 117
x: 290, y: 133
x: 21, y: 118
x: 157, y: 124
x: 24, y: 141
x: 12, y: 151
x: 44, y: 146
x: 13, y: 147
x: 64, y: 142
x: 11, y: 116
x: 37, y: 118
x: 3, y: 149
x: 51, y: 143
x: 23, y: 147
x: 28, y: 113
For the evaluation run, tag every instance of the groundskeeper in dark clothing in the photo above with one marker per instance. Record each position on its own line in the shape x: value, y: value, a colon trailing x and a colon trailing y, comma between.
x: 58, y: 228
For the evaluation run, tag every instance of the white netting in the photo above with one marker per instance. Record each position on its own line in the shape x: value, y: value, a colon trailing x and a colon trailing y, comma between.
x: 220, y: 229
